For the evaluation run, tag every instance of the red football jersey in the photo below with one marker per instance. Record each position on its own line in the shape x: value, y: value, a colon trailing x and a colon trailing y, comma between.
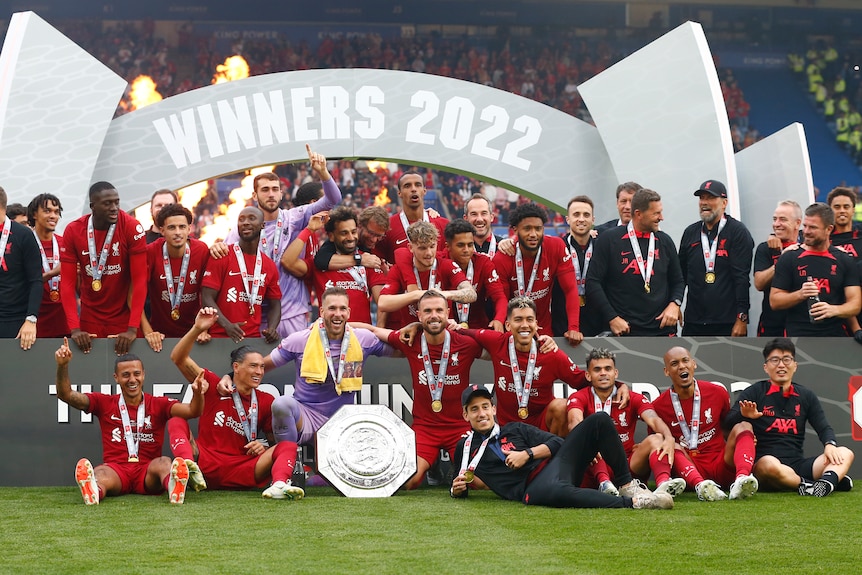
x: 550, y: 367
x: 52, y: 317
x: 625, y: 420
x: 157, y: 412
x: 359, y: 295
x: 224, y: 275
x: 157, y: 287
x: 714, y: 406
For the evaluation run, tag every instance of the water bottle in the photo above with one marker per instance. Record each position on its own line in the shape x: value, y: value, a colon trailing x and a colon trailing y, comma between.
x: 298, y: 477
x: 811, y: 301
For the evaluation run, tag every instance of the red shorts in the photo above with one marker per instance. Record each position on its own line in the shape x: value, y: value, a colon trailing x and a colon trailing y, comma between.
x: 430, y: 439
x: 133, y: 477
x: 229, y: 471
x: 713, y: 467
x: 535, y: 419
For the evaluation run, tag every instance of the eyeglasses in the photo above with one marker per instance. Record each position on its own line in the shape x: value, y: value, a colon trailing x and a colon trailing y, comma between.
x: 373, y: 234
x: 786, y: 360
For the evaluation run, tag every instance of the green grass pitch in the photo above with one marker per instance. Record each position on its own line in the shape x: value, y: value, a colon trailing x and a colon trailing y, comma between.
x: 50, y: 530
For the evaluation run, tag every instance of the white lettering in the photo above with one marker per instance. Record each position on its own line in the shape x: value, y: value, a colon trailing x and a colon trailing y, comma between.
x: 334, y: 121
x: 302, y: 112
x: 375, y: 124
x: 236, y: 125
x: 180, y: 139
x: 457, y: 123
x: 271, y: 118
x: 430, y: 104
x: 211, y: 135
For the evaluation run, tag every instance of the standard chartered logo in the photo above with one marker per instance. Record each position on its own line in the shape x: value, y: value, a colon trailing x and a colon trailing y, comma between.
x: 219, y: 418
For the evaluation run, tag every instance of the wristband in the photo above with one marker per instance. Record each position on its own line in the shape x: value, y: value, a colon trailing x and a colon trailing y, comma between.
x: 530, y: 453
x: 831, y: 442
x: 304, y: 234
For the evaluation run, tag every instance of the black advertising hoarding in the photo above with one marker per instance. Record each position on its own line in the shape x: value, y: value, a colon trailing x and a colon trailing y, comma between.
x: 42, y: 438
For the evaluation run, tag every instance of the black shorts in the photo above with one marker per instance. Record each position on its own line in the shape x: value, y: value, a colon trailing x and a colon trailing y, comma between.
x: 803, y: 466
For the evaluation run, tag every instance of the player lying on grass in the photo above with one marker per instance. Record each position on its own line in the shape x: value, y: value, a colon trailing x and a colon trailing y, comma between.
x: 133, y: 429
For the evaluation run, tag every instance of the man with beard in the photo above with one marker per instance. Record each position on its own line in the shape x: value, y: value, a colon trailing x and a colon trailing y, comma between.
x: 778, y: 410
x: 281, y: 227
x: 694, y: 411
x: 579, y: 243
x: 785, y: 233
x: 230, y: 454
x: 237, y: 285
x: 715, y: 258
x: 437, y: 420
x: 537, y: 261
x: 372, y: 224
x: 634, y: 280
x: 818, y: 284
x: 106, y: 245
x: 159, y: 200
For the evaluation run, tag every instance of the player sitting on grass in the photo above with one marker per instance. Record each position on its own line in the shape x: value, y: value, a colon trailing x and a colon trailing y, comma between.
x: 133, y: 429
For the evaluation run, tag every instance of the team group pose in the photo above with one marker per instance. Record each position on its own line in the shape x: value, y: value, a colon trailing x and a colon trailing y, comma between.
x: 443, y: 294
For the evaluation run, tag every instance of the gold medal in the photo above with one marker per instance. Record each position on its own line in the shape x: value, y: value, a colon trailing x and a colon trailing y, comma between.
x: 693, y: 452
x: 251, y: 310
x: 133, y: 459
x: 97, y: 285
x: 469, y: 476
x: 464, y: 324
x: 436, y: 406
x: 583, y: 300
x: 175, y: 314
x: 54, y: 295
x: 646, y: 288
x: 710, y: 277
x: 523, y: 413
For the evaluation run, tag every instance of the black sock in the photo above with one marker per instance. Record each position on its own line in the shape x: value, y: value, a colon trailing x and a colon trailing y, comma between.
x: 831, y: 477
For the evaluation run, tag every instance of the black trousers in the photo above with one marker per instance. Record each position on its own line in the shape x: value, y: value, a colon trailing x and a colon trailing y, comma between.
x: 557, y: 484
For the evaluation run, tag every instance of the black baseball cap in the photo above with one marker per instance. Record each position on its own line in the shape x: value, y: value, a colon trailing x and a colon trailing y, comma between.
x: 475, y: 389
x: 713, y: 187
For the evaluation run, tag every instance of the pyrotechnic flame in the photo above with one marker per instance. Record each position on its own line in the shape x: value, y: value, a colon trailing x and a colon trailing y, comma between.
x: 234, y: 68
x: 382, y: 197
x: 143, y: 93
x: 226, y: 219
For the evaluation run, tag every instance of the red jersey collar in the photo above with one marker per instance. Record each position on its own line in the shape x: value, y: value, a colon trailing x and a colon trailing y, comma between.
x: 773, y: 388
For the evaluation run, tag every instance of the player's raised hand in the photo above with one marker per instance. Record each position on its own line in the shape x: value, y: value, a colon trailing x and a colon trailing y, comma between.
x: 205, y: 318
x: 63, y: 355
x: 749, y: 410
x: 224, y: 387
x: 318, y: 164
x: 200, y: 385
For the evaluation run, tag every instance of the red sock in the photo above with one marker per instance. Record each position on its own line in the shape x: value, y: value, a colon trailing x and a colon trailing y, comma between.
x: 684, y: 468
x: 166, y: 480
x: 101, y: 491
x: 600, y: 471
x: 743, y: 453
x: 283, y: 460
x: 178, y: 437
x: 660, y: 468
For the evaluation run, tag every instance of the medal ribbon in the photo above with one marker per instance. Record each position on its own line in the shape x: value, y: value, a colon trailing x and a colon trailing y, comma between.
x: 47, y: 263
x: 4, y: 237
x: 436, y: 382
x: 646, y: 273
x: 473, y: 463
x: 97, y: 269
x: 581, y: 276
x: 176, y: 297
x: 249, y: 422
x: 133, y: 440
x: 464, y: 308
x: 255, y: 285
x: 492, y: 248
x: 602, y: 405
x: 432, y: 276
x: 276, y: 238
x: 360, y: 276
x: 405, y: 224
x: 691, y: 436
x: 522, y: 389
x: 519, y: 271
x: 345, y: 343
x: 709, y: 250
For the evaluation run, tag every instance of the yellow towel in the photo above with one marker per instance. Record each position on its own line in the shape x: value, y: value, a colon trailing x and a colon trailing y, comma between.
x: 314, y: 368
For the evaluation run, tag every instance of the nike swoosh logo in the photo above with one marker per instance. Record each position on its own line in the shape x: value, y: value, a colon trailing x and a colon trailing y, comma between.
x: 115, y: 418
x: 85, y: 253
x: 674, y: 423
x: 234, y: 273
x: 224, y: 398
x: 400, y: 241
